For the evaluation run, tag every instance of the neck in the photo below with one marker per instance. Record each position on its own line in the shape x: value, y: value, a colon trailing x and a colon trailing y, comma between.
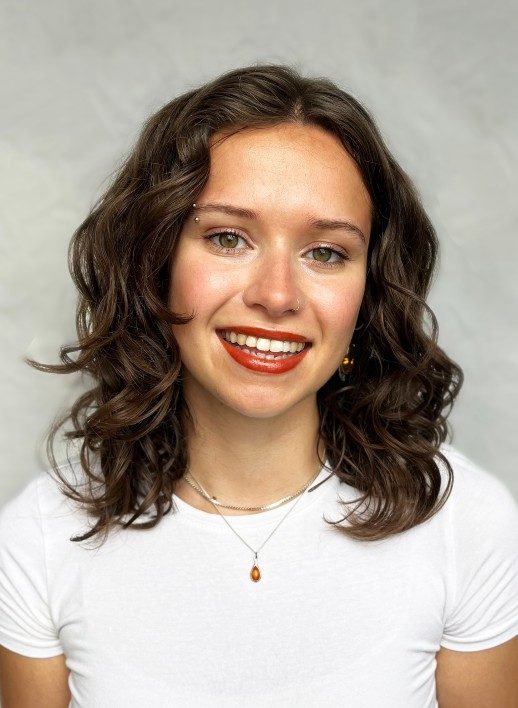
x: 249, y: 461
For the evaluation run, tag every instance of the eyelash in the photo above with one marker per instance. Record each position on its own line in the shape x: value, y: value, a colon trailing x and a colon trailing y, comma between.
x: 221, y: 249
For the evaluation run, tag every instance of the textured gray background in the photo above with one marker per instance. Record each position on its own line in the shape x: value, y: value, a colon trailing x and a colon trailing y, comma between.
x: 79, y: 78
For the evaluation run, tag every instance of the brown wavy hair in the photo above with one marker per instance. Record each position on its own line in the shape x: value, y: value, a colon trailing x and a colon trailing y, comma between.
x: 382, y: 427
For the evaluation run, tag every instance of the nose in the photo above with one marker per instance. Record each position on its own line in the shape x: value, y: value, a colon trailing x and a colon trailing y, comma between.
x: 273, y: 284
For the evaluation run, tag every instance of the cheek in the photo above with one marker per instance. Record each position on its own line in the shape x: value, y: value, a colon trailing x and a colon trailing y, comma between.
x: 194, y: 286
x: 339, y: 307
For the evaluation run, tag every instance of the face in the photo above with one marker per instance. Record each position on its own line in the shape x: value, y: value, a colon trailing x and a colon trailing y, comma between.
x: 237, y: 270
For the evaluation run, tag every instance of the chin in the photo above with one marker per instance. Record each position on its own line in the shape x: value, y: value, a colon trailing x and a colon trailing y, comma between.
x: 259, y: 410
x: 262, y: 414
x: 265, y: 405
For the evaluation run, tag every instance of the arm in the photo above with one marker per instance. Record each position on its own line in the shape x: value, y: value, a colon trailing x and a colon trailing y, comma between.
x: 478, y: 679
x: 33, y: 683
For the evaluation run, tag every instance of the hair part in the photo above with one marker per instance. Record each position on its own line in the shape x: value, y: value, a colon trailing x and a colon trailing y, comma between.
x: 382, y: 428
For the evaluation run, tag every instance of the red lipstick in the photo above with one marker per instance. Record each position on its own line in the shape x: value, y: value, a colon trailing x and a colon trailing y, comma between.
x: 265, y: 366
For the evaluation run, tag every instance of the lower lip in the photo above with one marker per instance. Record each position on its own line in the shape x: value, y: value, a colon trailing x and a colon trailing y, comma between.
x: 266, y: 366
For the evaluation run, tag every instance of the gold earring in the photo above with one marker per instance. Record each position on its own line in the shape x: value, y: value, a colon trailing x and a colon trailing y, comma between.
x: 345, y: 367
x: 196, y: 218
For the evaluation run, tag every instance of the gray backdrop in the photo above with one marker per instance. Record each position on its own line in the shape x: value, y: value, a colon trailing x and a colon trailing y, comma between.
x: 79, y: 78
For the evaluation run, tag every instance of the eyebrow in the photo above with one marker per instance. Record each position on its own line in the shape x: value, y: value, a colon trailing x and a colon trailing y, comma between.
x: 313, y: 223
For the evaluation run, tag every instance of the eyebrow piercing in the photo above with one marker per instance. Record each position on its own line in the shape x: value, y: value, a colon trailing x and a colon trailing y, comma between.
x: 196, y: 218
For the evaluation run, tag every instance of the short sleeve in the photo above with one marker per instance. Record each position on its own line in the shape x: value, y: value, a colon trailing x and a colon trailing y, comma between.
x: 483, y: 525
x: 26, y: 626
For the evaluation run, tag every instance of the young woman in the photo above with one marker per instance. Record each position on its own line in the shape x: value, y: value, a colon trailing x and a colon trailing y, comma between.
x: 263, y: 453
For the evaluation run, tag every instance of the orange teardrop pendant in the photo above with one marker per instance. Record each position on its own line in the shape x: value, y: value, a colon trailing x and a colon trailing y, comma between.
x: 255, y: 574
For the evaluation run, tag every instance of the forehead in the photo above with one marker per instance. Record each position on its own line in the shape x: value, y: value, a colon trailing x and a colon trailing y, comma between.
x: 289, y: 165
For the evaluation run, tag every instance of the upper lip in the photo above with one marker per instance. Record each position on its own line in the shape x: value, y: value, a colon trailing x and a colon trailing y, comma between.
x: 266, y: 333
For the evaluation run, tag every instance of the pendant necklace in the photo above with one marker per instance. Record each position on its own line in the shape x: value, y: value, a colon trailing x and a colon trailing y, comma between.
x: 255, y: 572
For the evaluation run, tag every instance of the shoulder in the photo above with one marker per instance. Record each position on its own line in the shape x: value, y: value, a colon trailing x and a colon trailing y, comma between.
x: 40, y: 500
x: 475, y: 488
x: 35, y: 529
x: 22, y: 509
x: 482, y: 604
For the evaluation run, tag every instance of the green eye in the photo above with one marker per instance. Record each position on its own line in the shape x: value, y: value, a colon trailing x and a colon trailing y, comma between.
x: 224, y: 240
x: 322, y: 252
x: 227, y: 239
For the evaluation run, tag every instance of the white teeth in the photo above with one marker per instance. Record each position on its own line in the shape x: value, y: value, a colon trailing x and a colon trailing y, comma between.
x: 264, y: 345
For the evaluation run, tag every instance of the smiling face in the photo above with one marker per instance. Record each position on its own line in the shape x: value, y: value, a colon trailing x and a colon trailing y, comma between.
x: 256, y: 268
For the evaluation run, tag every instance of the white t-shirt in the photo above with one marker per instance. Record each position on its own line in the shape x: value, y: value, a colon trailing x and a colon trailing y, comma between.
x: 169, y: 616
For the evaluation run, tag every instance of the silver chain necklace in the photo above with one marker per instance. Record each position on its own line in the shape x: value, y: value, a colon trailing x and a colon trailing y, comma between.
x: 255, y: 572
x: 197, y: 486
